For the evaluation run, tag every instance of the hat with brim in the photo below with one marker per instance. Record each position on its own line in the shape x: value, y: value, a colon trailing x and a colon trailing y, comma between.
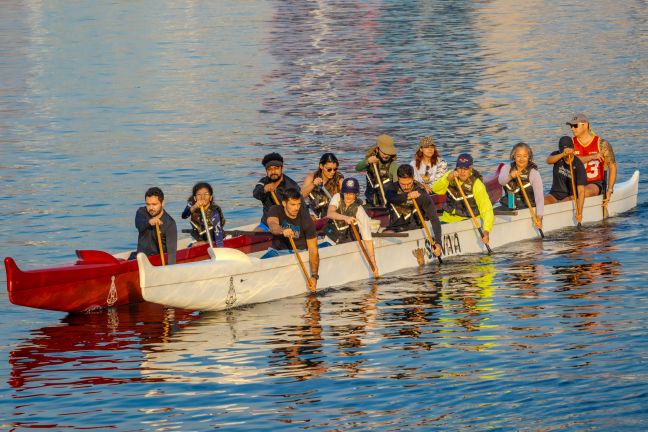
x: 565, y: 142
x: 386, y: 145
x: 577, y: 118
x: 273, y: 163
x: 427, y: 141
x: 464, y: 161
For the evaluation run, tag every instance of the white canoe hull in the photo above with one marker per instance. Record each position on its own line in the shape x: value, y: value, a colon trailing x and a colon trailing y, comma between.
x: 231, y: 278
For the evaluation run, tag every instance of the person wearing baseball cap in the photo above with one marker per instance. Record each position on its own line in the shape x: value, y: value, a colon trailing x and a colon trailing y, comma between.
x: 344, y: 209
x: 472, y: 185
x: 274, y: 181
x: 382, y: 157
x: 596, y: 154
x: 561, y: 186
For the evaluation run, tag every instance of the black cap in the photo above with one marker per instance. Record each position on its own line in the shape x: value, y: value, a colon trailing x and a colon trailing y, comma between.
x: 272, y: 159
x: 565, y: 142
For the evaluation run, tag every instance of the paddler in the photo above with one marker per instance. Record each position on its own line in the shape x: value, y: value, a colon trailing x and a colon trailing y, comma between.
x: 150, y: 216
x: 320, y: 186
x: 403, y: 217
x: 565, y: 164
x: 274, y: 181
x: 470, y: 181
x: 381, y: 158
x: 345, y: 209
x: 522, y: 165
x: 288, y: 220
x: 596, y: 154
x: 201, y: 202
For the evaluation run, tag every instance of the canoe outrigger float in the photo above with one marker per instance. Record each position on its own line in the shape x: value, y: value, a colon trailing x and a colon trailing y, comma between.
x: 99, y: 279
x: 231, y: 278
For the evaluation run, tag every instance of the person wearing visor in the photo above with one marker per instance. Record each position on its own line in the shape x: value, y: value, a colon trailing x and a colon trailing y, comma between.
x: 596, y: 154
x: 275, y: 182
x: 470, y: 181
x: 380, y: 159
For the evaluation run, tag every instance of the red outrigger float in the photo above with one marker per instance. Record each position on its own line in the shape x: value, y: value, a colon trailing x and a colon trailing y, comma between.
x: 99, y: 279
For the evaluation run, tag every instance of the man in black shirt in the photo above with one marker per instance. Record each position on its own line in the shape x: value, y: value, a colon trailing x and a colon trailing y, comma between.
x: 288, y: 220
x: 403, y: 215
x: 561, y: 187
x: 275, y: 181
x: 146, y: 218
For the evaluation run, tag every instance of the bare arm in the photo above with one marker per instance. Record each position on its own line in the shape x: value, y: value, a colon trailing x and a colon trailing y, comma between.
x: 313, y: 259
x: 610, y: 162
x: 308, y: 185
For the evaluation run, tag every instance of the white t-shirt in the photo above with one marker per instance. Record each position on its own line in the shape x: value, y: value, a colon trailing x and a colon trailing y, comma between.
x: 364, y: 221
x: 434, y: 172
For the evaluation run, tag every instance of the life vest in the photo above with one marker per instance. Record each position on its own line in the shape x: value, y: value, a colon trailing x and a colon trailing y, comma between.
x: 595, y: 169
x: 402, y: 213
x: 513, y: 188
x: 318, y: 200
x: 198, y: 231
x: 383, y: 172
x: 454, y: 203
x: 339, y: 231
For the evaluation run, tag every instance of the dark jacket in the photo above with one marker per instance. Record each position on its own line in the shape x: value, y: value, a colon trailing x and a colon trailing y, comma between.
x: 266, y: 198
x: 147, y: 239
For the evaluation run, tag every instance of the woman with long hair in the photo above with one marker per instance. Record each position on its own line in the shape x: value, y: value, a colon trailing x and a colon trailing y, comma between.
x: 321, y: 185
x: 428, y: 164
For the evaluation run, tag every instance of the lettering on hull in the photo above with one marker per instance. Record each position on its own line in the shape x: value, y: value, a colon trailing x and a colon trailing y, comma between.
x: 451, y: 244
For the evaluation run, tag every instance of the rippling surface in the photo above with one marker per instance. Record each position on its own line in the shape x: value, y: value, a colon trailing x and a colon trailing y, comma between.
x: 100, y: 101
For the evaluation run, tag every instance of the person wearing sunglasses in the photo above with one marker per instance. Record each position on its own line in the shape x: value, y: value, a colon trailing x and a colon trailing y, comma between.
x: 597, y: 154
x: 320, y: 186
x: 382, y: 157
x: 275, y: 182
x: 428, y: 164
x: 202, y: 197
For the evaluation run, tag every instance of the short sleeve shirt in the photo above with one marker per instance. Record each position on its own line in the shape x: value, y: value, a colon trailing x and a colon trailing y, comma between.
x: 303, y: 227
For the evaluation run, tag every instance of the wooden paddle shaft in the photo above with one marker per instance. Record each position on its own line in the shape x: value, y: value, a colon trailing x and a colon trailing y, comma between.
x: 528, y: 203
x: 362, y: 247
x: 301, y: 262
x: 380, y: 185
x: 472, y: 215
x: 274, y: 197
x: 425, y: 227
x: 159, y: 239
x: 204, y: 218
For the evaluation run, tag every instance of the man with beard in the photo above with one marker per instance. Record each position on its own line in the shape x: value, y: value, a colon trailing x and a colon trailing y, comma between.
x: 274, y: 182
x: 380, y: 158
x: 147, y: 218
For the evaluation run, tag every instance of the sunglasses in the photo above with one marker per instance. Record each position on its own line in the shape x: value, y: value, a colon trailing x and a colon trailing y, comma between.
x: 331, y: 169
x: 573, y: 125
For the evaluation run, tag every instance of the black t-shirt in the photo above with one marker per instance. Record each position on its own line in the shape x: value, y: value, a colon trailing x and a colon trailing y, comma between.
x: 303, y: 227
x: 561, y: 186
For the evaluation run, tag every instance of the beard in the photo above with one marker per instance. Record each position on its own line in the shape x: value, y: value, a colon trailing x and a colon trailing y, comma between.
x: 153, y: 213
x: 274, y: 177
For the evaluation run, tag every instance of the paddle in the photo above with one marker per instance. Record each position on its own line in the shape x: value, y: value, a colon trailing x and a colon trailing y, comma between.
x: 159, y: 239
x: 296, y: 252
x: 425, y: 228
x: 573, y: 183
x: 204, y: 218
x: 380, y: 185
x: 472, y: 216
x: 528, y: 203
x: 374, y: 270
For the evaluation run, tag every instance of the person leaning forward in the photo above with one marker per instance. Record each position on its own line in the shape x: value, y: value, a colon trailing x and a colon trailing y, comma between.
x: 146, y: 219
x: 561, y: 186
x: 402, y: 211
x: 597, y: 154
x: 470, y: 181
x: 289, y: 221
x: 383, y: 156
x: 274, y: 181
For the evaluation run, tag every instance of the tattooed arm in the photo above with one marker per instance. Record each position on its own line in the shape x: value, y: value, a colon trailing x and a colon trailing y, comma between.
x: 610, y: 162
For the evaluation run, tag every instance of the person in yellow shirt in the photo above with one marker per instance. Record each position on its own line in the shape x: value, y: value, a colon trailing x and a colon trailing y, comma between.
x: 470, y: 181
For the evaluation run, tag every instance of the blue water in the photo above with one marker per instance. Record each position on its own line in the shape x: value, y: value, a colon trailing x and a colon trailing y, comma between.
x: 102, y: 100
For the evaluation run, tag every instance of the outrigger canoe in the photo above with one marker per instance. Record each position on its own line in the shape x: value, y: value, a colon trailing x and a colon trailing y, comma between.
x: 99, y: 279
x: 231, y: 278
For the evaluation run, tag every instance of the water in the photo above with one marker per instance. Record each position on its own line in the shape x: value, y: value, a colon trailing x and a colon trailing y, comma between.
x: 100, y: 101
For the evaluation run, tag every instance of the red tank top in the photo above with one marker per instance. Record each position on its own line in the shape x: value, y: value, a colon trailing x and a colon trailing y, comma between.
x: 595, y: 168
